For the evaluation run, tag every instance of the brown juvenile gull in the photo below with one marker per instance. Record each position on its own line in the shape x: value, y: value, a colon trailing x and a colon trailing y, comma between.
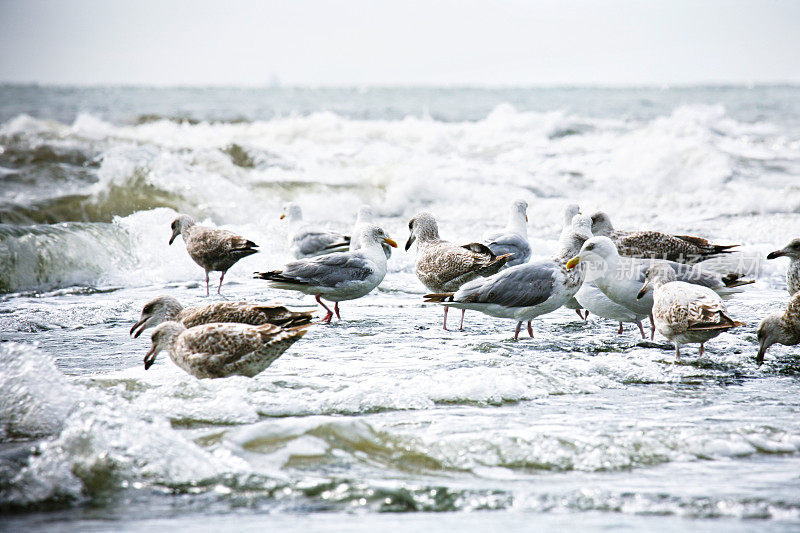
x: 443, y: 266
x: 308, y: 241
x: 164, y: 308
x: 365, y: 216
x: 525, y: 291
x: 213, y: 249
x: 685, y: 313
x: 336, y: 277
x: 621, y: 278
x: 792, y: 251
x: 657, y: 245
x: 222, y: 350
x: 514, y: 238
x: 780, y: 328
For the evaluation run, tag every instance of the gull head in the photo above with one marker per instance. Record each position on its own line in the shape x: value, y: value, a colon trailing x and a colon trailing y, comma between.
x: 520, y: 208
x: 162, y: 339
x: 158, y: 310
x: 292, y: 211
x: 179, y: 225
x: 569, y: 213
x: 601, y: 224
x: 791, y: 250
x: 580, y: 231
x: 423, y: 227
x: 597, y: 251
x: 372, y: 235
x: 657, y: 275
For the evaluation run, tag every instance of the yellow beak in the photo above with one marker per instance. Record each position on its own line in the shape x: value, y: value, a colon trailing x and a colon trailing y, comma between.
x: 573, y: 262
x: 526, y: 218
x: 390, y: 242
x: 283, y: 215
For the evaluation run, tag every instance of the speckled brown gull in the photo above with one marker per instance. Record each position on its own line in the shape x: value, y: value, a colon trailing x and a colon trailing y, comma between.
x: 443, y: 266
x: 525, y: 291
x: 513, y: 239
x: 336, y: 277
x: 780, y: 328
x: 211, y: 248
x: 657, y: 245
x: 682, y: 312
x: 792, y: 251
x: 164, y: 308
x: 309, y: 241
x: 222, y: 350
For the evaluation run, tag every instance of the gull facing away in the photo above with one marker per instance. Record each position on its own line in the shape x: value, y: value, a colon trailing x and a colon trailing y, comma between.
x: 514, y: 238
x: 443, y: 266
x: 211, y: 248
x: 780, y: 328
x: 339, y: 276
x: 792, y: 251
x: 621, y: 278
x: 525, y: 291
x: 222, y: 350
x: 308, y: 241
x: 365, y: 216
x: 657, y: 245
x: 165, y: 308
x: 685, y: 313
x: 569, y: 214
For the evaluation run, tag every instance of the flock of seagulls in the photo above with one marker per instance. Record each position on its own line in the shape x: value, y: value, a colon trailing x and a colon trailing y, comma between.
x: 622, y: 276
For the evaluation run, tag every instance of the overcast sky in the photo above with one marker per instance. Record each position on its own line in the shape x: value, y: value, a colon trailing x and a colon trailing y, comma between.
x: 407, y: 42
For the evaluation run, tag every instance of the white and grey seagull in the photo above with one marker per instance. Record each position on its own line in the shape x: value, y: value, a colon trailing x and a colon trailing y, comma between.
x: 365, y: 216
x: 792, y: 251
x: 514, y: 238
x: 338, y: 276
x: 309, y: 241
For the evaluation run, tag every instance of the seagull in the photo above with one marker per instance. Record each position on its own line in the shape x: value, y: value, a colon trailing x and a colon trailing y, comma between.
x: 338, y: 276
x: 525, y: 291
x: 443, y: 266
x: 595, y: 301
x: 365, y: 216
x: 213, y: 249
x: 222, y: 350
x: 780, y: 328
x: 164, y: 308
x: 685, y: 313
x: 306, y: 241
x: 569, y: 214
x: 621, y: 278
x: 657, y: 245
x: 514, y: 238
x: 792, y: 251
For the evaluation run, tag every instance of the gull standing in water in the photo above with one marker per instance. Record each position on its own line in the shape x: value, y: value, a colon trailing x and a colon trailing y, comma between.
x: 442, y: 266
x: 339, y: 276
x: 514, y: 238
x: 780, y: 328
x: 657, y: 245
x: 365, y: 216
x: 165, y: 308
x: 792, y: 251
x: 307, y: 241
x: 621, y: 278
x: 685, y: 313
x: 525, y: 291
x: 213, y: 249
x: 222, y: 350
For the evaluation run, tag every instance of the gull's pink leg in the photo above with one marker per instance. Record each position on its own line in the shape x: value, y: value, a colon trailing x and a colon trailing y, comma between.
x: 336, y: 308
x: 586, y: 315
x: 652, y: 327
x: 641, y: 328
x: 445, y: 317
x: 207, y: 293
x: 620, y: 329
x: 516, y: 331
x: 461, y: 327
x: 327, y: 318
x: 701, y: 350
x: 580, y: 314
x: 220, y: 282
x: 530, y: 329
